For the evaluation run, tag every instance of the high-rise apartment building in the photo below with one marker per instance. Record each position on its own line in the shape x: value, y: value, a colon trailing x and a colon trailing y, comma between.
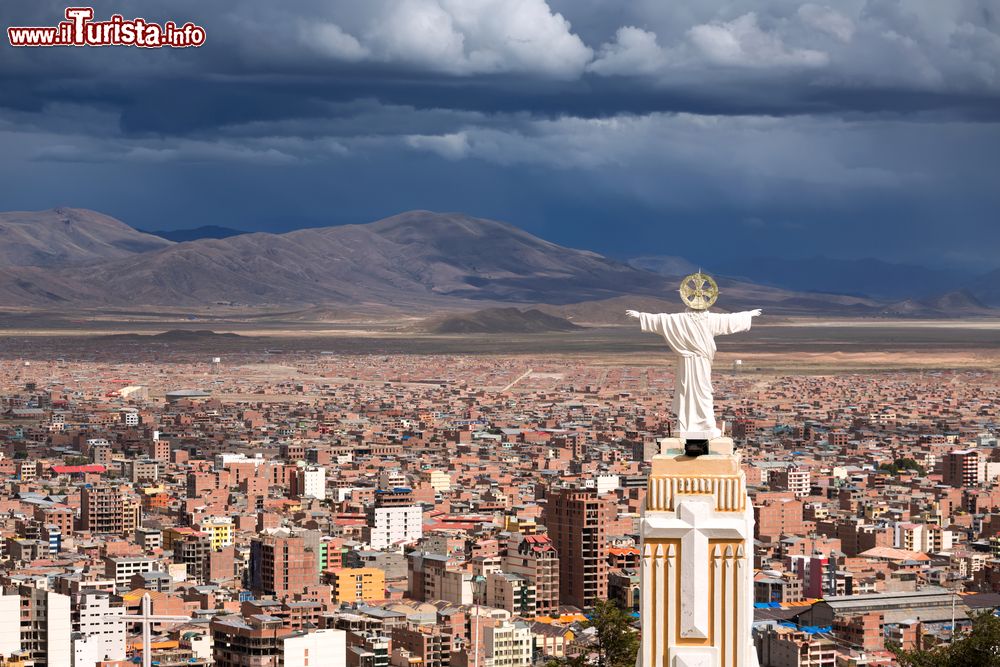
x: 536, y: 559
x: 45, y: 625
x: 121, y: 569
x: 511, y: 592
x: 219, y: 530
x: 961, y: 468
x: 105, y: 509
x: 577, y: 522
x: 282, y: 563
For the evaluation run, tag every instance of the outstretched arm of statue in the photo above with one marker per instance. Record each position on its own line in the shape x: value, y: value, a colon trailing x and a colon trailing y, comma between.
x: 724, y: 324
x: 648, y: 321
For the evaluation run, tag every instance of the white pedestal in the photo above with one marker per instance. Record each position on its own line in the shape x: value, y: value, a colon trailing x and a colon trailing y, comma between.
x: 697, y: 561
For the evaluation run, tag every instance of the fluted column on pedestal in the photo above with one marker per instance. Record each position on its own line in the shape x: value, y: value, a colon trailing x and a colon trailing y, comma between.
x: 697, y: 569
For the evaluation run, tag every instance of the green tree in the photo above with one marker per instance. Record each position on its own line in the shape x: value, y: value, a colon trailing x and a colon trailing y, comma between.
x: 617, y: 642
x: 907, y: 463
x: 904, y: 463
x: 979, y: 647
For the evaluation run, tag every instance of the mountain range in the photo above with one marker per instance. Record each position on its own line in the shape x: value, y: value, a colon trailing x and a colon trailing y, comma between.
x: 68, y: 236
x: 412, y: 262
x: 195, y: 233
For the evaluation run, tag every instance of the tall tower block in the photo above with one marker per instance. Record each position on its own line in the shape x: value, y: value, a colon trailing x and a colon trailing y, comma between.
x: 697, y: 560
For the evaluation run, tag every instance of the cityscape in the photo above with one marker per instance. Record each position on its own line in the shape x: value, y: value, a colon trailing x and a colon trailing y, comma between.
x: 430, y: 510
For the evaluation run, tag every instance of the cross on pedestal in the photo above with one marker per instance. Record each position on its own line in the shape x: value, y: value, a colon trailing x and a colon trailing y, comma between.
x: 146, y: 619
x: 695, y: 523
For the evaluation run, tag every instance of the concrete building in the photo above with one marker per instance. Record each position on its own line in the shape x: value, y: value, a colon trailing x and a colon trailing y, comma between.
x: 96, y: 637
x: 787, y: 647
x: 10, y: 624
x: 318, y: 648
x: 391, y: 526
x: 148, y: 538
x: 141, y: 470
x: 509, y: 644
x: 430, y: 644
x: 438, y: 480
x: 219, y: 530
x: 105, y: 509
x: 363, y: 584
x: 606, y: 483
x: 961, y: 468
x: 264, y: 641
x: 282, y: 563
x: 926, y: 538
x: 45, y: 626
x: 121, y: 569
x: 536, y: 559
x: 796, y: 480
x: 309, y: 481
x: 512, y: 592
x: 577, y: 522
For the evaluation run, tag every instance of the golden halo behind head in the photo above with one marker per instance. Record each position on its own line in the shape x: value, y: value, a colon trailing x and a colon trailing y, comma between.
x: 698, y: 291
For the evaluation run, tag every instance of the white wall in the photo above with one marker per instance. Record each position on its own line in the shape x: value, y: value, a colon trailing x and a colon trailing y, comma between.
x: 58, y: 630
x: 10, y: 624
x: 322, y: 648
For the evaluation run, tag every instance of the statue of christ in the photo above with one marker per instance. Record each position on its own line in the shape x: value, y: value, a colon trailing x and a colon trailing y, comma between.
x: 691, y: 335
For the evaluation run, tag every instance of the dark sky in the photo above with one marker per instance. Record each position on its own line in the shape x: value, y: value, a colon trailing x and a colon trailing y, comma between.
x: 700, y: 128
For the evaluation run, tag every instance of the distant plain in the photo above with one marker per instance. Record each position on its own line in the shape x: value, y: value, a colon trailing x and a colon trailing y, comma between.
x: 774, y: 345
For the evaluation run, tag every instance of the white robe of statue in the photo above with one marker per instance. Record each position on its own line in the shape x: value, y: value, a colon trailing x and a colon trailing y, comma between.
x: 691, y: 335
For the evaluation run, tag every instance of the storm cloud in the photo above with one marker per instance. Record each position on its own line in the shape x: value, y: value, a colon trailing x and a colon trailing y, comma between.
x: 856, y: 128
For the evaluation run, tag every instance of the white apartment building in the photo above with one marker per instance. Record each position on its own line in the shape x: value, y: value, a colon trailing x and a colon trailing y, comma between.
x: 320, y: 647
x: 606, y: 483
x: 509, y: 644
x: 96, y: 636
x: 922, y: 537
x: 312, y: 482
x: 41, y: 625
x: 388, y: 526
x: 122, y: 569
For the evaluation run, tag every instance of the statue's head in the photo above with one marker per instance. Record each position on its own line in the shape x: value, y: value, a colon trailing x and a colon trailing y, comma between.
x: 698, y: 291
